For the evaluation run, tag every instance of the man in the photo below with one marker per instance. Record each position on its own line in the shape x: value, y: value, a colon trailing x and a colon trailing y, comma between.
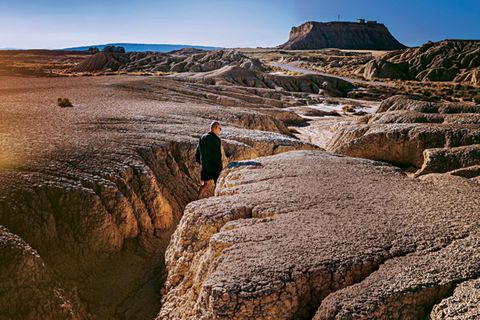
x: 209, y: 155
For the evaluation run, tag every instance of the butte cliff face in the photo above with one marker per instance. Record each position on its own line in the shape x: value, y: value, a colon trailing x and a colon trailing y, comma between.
x: 343, y: 35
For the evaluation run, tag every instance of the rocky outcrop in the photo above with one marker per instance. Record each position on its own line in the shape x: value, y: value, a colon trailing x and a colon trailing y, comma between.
x: 379, y: 68
x: 462, y: 305
x: 235, y: 75
x: 341, y: 35
x: 429, y: 136
x: 177, y: 61
x: 407, y: 103
x: 405, y: 287
x: 448, y: 60
x: 467, y: 172
x: 91, y: 194
x: 449, y: 159
x: 310, y: 233
x: 28, y: 289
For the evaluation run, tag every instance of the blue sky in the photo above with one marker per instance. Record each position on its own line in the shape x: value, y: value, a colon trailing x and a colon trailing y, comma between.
x: 228, y: 23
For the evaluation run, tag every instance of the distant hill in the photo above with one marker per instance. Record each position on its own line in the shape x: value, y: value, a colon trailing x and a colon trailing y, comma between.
x: 342, y: 35
x: 447, y: 60
x: 143, y: 47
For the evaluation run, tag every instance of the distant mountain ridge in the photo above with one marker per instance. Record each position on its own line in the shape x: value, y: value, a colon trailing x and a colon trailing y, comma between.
x: 144, y: 47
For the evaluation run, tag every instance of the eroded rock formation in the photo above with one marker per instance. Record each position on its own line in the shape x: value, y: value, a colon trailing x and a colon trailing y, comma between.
x: 28, y: 289
x: 342, y: 35
x: 186, y: 60
x: 91, y: 194
x: 463, y: 304
x: 310, y: 233
x: 235, y: 75
x: 448, y: 60
x: 429, y: 136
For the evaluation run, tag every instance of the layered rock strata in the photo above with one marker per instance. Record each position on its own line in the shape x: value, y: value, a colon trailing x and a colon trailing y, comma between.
x: 448, y: 60
x: 311, y: 234
x: 177, y: 61
x: 342, y: 35
x: 235, y: 75
x: 91, y: 194
x: 428, y: 136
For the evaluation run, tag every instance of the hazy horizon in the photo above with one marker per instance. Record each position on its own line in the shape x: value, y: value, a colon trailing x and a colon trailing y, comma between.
x: 55, y: 24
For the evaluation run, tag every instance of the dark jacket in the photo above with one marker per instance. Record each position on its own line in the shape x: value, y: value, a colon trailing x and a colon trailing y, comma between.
x: 209, y: 153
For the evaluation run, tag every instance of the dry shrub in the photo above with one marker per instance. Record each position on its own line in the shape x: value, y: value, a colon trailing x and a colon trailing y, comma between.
x: 348, y: 108
x: 64, y: 103
x: 476, y: 99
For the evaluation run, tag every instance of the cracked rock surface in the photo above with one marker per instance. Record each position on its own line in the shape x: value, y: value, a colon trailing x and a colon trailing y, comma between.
x: 95, y: 191
x: 463, y: 304
x: 311, y: 234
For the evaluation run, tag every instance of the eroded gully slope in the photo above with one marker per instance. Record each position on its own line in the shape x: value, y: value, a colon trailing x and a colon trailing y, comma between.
x: 93, y: 193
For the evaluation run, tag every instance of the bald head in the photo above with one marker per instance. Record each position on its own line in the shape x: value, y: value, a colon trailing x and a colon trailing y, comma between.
x: 215, y: 127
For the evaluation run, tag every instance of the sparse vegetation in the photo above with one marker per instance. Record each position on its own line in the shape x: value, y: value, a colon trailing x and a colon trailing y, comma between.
x: 64, y: 103
x: 93, y: 50
x: 113, y: 49
x: 348, y: 108
x: 476, y: 99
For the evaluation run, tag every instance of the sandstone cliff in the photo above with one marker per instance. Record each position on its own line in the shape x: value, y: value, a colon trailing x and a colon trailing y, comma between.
x: 341, y: 35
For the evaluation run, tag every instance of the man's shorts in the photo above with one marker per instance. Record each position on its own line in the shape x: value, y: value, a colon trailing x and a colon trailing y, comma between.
x: 207, y: 176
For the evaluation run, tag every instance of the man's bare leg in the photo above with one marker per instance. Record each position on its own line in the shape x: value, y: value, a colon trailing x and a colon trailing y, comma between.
x: 204, y: 188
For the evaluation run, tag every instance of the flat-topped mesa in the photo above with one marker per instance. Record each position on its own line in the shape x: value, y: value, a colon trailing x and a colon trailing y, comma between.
x: 342, y: 35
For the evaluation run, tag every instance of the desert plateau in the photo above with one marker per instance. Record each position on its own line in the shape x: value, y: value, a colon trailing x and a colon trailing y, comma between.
x: 350, y: 186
